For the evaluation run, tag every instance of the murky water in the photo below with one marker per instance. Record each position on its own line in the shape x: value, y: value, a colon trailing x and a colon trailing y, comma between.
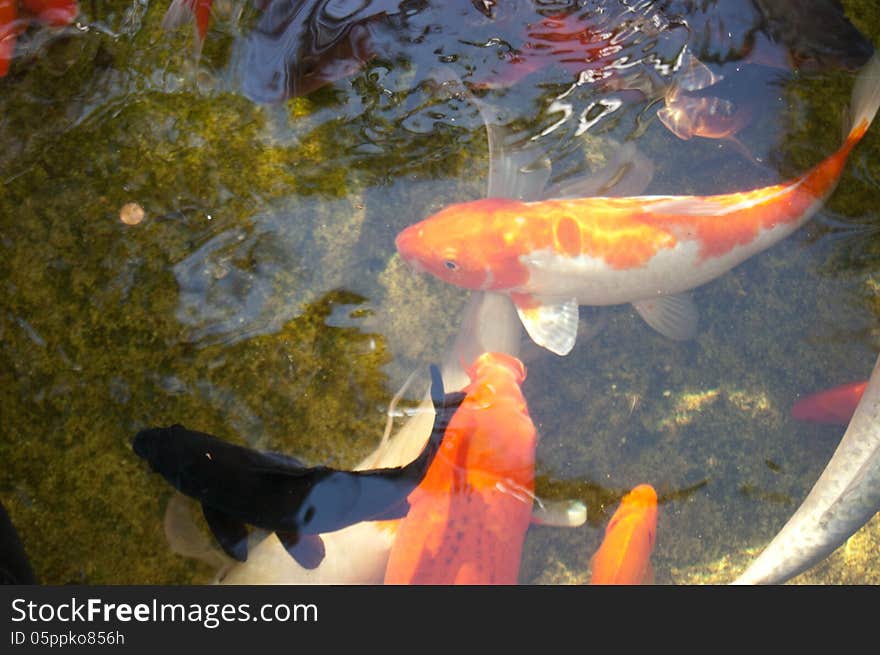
x: 261, y: 298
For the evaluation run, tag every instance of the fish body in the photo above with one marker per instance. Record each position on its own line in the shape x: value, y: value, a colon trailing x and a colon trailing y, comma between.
x: 240, y: 486
x: 844, y: 497
x: 553, y: 255
x: 10, y: 28
x: 836, y: 405
x: 468, y: 517
x: 708, y: 117
x: 624, y: 557
x: 56, y: 13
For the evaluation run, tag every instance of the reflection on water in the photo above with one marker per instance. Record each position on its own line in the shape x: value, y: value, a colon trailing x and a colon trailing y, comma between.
x: 260, y: 297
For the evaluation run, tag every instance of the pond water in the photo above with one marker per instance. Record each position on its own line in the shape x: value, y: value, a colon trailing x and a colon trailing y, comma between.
x: 260, y: 297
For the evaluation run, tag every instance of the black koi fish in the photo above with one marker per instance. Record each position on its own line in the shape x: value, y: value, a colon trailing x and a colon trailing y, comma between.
x: 238, y: 486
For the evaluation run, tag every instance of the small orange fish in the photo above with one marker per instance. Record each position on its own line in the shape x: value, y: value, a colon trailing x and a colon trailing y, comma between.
x: 708, y: 117
x: 550, y: 256
x: 468, y: 518
x: 56, y: 13
x: 625, y: 554
x: 836, y: 405
x: 197, y: 11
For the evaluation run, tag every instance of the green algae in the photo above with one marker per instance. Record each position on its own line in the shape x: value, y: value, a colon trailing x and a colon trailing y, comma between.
x: 100, y: 334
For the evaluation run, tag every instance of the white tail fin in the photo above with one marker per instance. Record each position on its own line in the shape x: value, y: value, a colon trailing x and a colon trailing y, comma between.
x: 865, y: 96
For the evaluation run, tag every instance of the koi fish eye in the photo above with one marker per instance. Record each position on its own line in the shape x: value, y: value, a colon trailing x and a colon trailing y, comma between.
x: 450, y: 265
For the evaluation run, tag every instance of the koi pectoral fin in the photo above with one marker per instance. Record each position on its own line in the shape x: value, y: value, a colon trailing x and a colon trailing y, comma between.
x: 232, y: 535
x: 308, y: 550
x: 675, y: 317
x: 553, y: 327
x: 559, y: 514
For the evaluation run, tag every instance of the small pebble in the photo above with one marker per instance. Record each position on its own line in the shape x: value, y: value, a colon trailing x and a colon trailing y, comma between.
x: 131, y: 213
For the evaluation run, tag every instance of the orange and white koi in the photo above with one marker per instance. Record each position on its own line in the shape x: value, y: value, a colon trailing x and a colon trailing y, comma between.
x: 553, y: 255
x: 468, y: 517
x: 835, y: 405
x: 625, y: 554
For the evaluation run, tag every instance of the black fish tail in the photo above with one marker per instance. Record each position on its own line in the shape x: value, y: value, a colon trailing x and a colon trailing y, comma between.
x: 445, y: 406
x: 308, y: 550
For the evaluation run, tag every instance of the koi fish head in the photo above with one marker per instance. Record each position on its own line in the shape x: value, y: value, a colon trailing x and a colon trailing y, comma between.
x: 466, y: 245
x: 496, y: 366
x: 624, y: 556
x: 639, y: 504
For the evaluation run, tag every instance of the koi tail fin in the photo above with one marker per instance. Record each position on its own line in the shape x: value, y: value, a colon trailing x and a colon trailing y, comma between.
x: 865, y: 100
x: 183, y: 11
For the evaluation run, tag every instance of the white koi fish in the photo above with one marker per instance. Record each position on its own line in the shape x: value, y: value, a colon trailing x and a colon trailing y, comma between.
x: 550, y: 256
x: 844, y: 498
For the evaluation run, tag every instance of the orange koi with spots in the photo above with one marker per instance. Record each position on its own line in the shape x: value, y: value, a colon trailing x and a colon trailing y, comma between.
x: 836, y: 405
x: 551, y: 256
x: 468, y: 517
x: 625, y: 554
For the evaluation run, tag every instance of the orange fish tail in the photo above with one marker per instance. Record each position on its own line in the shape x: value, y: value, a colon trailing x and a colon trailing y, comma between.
x: 865, y: 102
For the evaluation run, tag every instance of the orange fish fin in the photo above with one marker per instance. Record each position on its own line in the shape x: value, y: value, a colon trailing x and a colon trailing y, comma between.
x: 676, y: 120
x: 674, y: 316
x: 552, y: 326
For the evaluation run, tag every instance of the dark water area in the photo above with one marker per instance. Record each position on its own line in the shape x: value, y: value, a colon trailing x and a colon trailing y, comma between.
x: 261, y: 299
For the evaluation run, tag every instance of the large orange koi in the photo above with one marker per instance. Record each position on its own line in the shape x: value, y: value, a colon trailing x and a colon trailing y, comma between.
x: 551, y: 256
x: 625, y: 554
x: 468, y: 517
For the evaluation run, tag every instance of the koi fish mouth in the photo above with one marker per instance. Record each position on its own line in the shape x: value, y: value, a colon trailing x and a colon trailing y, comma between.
x: 407, y: 245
